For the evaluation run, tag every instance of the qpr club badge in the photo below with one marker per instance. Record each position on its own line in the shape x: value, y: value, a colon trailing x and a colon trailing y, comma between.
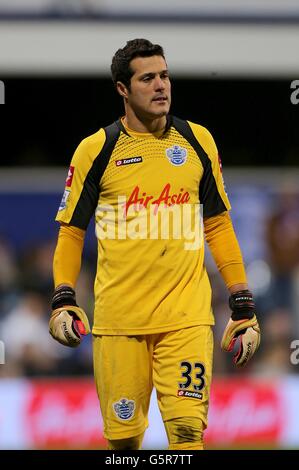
x: 176, y: 155
x: 124, y: 408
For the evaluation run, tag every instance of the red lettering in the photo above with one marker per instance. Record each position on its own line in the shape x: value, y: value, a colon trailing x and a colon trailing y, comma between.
x: 165, y: 197
x: 133, y: 199
x: 174, y: 199
x: 147, y: 199
x: 185, y: 198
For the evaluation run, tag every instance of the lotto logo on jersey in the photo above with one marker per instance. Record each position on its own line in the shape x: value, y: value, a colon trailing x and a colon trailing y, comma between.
x: 186, y: 393
x: 70, y: 175
x: 128, y: 161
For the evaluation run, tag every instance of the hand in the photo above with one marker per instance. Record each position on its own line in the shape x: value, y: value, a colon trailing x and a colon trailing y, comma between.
x: 242, y: 325
x: 68, y: 322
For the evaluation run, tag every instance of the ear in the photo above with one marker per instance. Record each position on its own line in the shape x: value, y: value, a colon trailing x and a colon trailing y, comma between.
x: 122, y: 89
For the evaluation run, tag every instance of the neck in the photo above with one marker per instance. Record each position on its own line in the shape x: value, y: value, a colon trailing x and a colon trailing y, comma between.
x: 146, y: 125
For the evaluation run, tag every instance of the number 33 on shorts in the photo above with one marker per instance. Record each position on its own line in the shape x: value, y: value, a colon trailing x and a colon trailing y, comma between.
x: 193, y: 378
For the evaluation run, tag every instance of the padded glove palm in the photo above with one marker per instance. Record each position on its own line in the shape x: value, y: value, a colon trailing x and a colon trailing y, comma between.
x: 68, y: 322
x: 242, y: 326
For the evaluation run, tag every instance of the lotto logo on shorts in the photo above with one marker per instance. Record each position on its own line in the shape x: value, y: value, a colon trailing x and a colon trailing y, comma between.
x: 186, y: 393
x: 128, y: 161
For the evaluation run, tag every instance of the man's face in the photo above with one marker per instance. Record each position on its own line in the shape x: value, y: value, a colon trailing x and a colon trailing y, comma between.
x: 149, y: 96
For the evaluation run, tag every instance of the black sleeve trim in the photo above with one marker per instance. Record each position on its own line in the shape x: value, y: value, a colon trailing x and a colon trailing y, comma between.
x: 89, y: 197
x: 208, y: 192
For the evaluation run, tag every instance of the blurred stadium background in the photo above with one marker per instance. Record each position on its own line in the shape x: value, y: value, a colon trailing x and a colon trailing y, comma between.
x: 232, y: 65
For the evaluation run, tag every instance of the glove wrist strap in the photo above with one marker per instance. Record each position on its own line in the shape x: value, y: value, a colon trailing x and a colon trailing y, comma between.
x: 242, y: 305
x: 63, y: 295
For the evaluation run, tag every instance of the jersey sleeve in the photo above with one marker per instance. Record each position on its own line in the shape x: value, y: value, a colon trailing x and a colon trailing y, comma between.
x: 224, y: 246
x: 212, y: 193
x: 82, y: 185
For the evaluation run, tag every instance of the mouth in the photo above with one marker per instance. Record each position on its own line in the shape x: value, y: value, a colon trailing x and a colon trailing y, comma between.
x: 160, y: 99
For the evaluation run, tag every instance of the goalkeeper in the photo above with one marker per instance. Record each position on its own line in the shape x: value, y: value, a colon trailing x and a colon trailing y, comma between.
x: 153, y: 319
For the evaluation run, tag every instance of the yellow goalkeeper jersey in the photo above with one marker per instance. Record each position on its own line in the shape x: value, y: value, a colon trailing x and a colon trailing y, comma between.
x: 146, y: 192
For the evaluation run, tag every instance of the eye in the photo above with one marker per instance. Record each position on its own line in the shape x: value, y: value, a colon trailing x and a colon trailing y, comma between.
x: 146, y: 79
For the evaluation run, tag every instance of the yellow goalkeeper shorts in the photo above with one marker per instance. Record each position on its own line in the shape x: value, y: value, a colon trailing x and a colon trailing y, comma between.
x: 177, y: 363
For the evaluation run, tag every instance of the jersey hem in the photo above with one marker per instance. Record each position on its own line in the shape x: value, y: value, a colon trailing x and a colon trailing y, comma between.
x: 148, y: 331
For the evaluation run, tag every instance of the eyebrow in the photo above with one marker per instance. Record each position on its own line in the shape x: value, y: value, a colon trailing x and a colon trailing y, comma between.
x: 146, y: 74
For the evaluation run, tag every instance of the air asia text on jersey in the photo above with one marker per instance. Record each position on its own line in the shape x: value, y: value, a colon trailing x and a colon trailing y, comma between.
x: 140, y: 199
x: 143, y: 216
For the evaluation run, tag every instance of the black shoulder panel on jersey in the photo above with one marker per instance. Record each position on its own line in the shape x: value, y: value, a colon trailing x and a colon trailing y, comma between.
x: 169, y: 123
x: 89, y: 197
x: 121, y: 127
x: 208, y: 193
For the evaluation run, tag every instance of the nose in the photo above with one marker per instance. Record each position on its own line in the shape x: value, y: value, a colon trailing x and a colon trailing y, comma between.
x: 159, y: 84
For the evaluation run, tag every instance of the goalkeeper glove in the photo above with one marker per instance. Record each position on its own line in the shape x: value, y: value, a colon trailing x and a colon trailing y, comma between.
x: 242, y: 325
x: 68, y: 322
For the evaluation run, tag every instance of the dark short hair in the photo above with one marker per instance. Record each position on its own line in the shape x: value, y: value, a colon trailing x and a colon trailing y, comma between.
x: 120, y: 67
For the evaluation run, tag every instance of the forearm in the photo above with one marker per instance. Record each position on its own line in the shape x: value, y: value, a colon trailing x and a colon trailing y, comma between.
x: 67, y: 256
x: 242, y: 325
x: 238, y: 287
x: 225, y: 249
